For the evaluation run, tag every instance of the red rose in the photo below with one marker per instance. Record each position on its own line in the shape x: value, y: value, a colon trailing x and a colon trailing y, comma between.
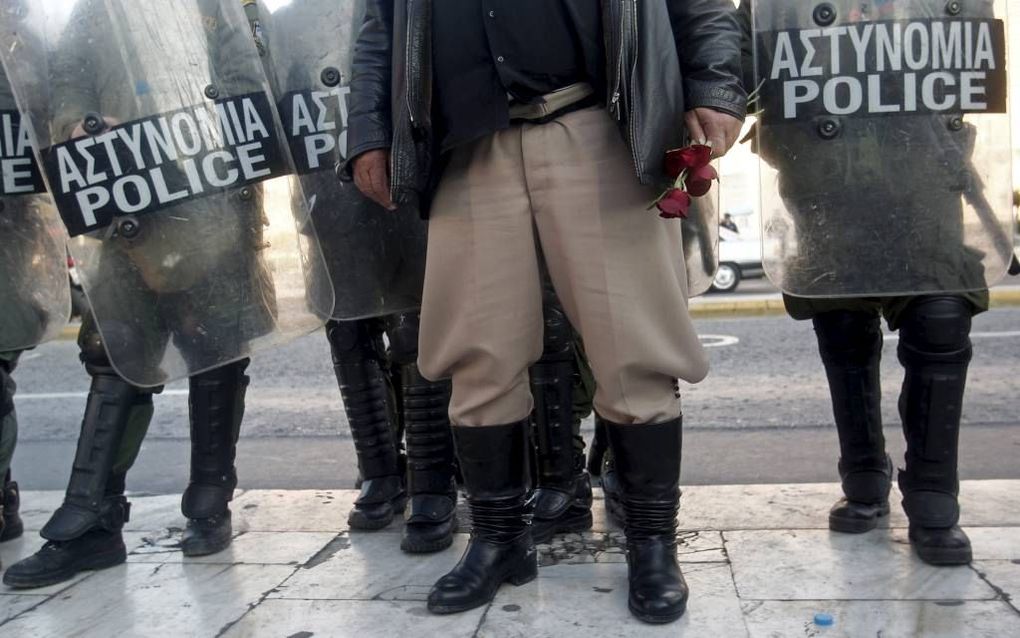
x: 687, y: 158
x: 674, y: 204
x: 699, y: 181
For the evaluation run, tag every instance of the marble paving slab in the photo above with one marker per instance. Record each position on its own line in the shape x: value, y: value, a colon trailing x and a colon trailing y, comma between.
x: 13, y: 604
x: 759, y: 559
x: 591, y: 600
x: 351, y: 619
x: 370, y: 566
x: 888, y: 619
x: 823, y: 565
x: 1004, y: 576
x: 994, y: 543
x: 293, y: 510
x: 252, y: 548
x: 142, y: 600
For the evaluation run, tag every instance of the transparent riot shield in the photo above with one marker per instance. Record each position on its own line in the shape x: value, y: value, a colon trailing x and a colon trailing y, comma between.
x: 701, y: 242
x: 884, y: 145
x: 34, y: 291
x: 375, y: 258
x: 160, y: 143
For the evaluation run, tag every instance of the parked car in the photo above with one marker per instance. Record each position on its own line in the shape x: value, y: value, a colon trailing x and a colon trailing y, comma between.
x: 739, y: 259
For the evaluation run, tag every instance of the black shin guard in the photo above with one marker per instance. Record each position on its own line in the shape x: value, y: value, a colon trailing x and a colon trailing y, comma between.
x: 89, y: 502
x: 935, y: 351
x: 363, y: 377
x: 850, y: 344
x: 563, y: 496
x: 431, y: 521
x: 85, y: 531
x: 216, y: 410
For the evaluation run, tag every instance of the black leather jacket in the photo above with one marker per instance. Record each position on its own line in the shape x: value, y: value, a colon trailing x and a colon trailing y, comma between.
x: 663, y: 57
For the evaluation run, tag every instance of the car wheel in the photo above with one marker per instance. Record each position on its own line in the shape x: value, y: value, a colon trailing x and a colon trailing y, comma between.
x: 727, y: 278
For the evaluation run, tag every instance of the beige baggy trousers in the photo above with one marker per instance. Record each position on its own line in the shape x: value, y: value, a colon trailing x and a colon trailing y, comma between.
x: 617, y: 267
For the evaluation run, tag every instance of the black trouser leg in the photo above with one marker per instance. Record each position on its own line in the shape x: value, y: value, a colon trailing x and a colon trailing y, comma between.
x: 647, y: 459
x: 935, y: 351
x: 494, y: 462
x: 850, y: 344
x: 362, y: 372
x: 563, y: 496
x: 431, y: 520
x: 216, y: 410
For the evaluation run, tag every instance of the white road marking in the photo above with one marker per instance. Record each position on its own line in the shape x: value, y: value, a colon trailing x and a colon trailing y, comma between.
x: 50, y: 396
x: 718, y: 341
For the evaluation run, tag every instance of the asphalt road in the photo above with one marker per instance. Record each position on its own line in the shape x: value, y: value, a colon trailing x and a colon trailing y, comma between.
x: 762, y: 416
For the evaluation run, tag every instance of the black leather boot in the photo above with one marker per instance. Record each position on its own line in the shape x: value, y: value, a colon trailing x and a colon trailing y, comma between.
x: 432, y: 516
x: 216, y: 409
x: 935, y: 351
x: 850, y: 344
x: 563, y: 496
x: 494, y: 461
x: 11, y: 526
x: 85, y: 531
x: 647, y: 461
x: 359, y: 363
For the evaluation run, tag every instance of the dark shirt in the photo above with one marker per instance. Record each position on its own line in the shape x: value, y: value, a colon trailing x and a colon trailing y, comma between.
x: 487, y: 51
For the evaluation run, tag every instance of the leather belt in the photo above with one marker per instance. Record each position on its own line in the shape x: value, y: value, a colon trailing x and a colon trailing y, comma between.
x: 553, y: 105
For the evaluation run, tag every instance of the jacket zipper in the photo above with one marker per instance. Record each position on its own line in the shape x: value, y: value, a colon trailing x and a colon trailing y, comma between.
x: 396, y: 174
x: 614, y: 103
x: 631, y: 27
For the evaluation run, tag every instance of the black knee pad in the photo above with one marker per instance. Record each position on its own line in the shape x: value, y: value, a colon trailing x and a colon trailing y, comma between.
x: 90, y: 344
x: 936, y: 329
x: 355, y: 341
x: 848, y: 338
x: 402, y: 331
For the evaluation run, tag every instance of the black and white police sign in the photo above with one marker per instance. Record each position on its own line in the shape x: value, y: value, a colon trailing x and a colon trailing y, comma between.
x: 883, y: 68
x: 316, y: 126
x: 164, y: 160
x: 19, y: 174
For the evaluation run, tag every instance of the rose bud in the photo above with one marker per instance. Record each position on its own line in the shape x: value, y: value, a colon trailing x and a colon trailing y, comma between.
x: 690, y: 157
x: 699, y: 182
x: 674, y: 205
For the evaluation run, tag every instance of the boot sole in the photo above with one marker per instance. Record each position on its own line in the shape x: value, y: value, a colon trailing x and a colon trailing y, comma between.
x: 516, y: 579
x: 204, y: 548
x: 92, y: 563
x: 657, y: 619
x: 941, y: 557
x: 358, y: 522
x: 857, y: 525
x: 412, y: 545
x: 571, y: 525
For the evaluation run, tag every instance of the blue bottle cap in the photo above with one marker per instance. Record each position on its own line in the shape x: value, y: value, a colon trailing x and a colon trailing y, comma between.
x: 824, y: 620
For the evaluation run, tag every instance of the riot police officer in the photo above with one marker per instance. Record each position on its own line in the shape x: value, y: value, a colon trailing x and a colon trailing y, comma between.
x: 196, y: 279
x: 901, y: 239
x: 34, y: 290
